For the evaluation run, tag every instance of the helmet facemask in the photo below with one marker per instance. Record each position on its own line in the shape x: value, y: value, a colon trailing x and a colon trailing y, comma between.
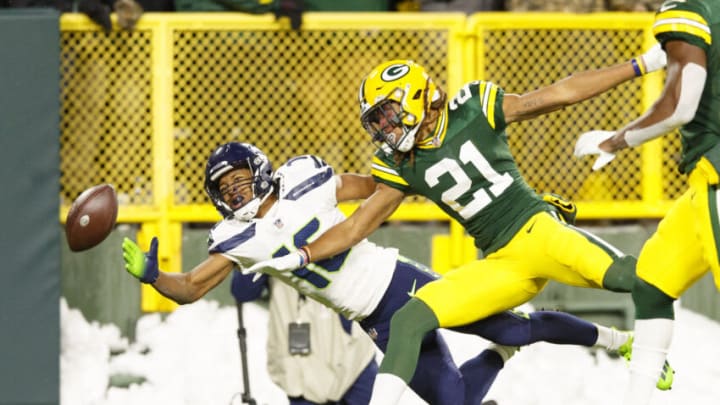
x: 233, y: 156
x: 259, y: 192
x: 381, y: 120
x: 396, y: 94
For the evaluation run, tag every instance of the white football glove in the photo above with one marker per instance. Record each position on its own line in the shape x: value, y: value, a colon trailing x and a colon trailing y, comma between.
x: 289, y: 262
x: 588, y: 144
x: 654, y: 59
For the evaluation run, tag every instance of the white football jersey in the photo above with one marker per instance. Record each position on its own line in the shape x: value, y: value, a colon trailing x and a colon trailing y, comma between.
x: 352, y: 283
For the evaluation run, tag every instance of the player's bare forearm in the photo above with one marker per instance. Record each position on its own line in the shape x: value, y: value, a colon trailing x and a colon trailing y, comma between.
x: 570, y: 90
x: 185, y: 288
x: 352, y: 186
x: 364, y: 221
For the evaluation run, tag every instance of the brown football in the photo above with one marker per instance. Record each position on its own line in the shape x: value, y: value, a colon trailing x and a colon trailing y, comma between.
x: 91, y: 217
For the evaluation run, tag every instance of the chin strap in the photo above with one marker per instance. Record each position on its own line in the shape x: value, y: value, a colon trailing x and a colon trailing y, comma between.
x: 250, y: 210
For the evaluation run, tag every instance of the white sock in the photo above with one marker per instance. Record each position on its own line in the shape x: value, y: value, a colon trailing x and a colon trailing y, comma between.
x: 505, y: 352
x: 652, y: 341
x: 388, y: 389
x: 611, y: 339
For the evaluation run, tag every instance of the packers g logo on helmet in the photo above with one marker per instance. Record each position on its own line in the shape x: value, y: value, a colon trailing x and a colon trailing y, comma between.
x: 405, y: 83
x: 394, y: 72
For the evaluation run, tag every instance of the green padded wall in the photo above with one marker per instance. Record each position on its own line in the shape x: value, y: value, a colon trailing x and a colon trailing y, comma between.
x: 95, y: 281
x: 30, y: 237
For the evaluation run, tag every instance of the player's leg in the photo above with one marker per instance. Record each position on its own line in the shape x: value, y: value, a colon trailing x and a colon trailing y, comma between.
x: 432, y: 373
x: 514, y: 328
x: 479, y: 372
x: 462, y: 296
x: 576, y: 257
x: 360, y: 392
x: 437, y: 379
x: 677, y: 255
x: 408, y: 327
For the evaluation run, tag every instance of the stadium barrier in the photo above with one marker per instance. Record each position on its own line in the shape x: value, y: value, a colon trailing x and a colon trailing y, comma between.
x: 143, y: 109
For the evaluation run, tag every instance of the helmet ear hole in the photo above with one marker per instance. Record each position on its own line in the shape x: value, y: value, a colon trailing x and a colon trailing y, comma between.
x: 417, y: 94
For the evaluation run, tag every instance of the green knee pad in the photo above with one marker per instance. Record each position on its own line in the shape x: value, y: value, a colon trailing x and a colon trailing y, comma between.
x: 650, y: 302
x: 620, y: 277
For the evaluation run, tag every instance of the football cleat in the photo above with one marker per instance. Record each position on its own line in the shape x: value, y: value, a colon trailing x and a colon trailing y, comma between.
x: 667, y: 376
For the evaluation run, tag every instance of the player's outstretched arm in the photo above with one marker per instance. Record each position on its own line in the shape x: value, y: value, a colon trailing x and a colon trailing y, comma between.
x: 579, y: 87
x: 365, y: 220
x: 351, y: 186
x: 182, y: 288
x: 684, y: 84
x: 341, y: 237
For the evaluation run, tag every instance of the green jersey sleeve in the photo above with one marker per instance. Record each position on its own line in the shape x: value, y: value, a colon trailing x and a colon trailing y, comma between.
x: 491, y: 99
x: 385, y: 171
x: 686, y: 20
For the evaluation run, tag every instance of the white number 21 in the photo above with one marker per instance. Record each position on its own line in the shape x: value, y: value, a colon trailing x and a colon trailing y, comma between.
x: 468, y: 154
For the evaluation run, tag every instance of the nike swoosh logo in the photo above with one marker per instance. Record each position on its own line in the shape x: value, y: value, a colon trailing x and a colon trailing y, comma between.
x: 411, y: 293
x: 530, y: 228
x: 666, y: 7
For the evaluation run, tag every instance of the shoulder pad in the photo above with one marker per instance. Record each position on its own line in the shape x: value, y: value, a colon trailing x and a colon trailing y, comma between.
x: 301, y: 174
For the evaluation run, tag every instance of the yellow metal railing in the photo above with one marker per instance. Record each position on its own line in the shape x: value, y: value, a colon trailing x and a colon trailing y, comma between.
x: 143, y: 109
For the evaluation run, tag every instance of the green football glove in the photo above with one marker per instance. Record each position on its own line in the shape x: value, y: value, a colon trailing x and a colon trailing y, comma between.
x: 143, y: 266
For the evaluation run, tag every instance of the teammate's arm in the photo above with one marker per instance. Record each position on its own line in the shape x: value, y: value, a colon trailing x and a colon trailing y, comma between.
x: 578, y: 87
x: 684, y: 84
x: 182, y: 288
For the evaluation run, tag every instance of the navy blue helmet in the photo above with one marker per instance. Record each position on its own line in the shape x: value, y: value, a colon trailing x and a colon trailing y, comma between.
x: 237, y: 155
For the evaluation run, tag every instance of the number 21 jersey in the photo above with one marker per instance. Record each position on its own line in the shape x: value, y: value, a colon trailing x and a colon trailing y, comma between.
x: 467, y: 169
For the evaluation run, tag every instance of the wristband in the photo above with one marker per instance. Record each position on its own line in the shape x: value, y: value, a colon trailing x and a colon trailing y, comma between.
x: 638, y: 67
x: 304, y: 255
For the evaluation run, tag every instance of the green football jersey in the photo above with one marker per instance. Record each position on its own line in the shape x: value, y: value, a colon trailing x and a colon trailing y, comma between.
x: 697, y: 22
x: 467, y: 169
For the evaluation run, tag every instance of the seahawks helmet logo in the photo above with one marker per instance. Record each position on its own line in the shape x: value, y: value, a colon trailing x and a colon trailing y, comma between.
x: 394, y: 72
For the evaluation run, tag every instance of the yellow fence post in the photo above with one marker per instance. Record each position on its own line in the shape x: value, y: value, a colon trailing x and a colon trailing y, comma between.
x: 169, y: 255
x: 163, y: 180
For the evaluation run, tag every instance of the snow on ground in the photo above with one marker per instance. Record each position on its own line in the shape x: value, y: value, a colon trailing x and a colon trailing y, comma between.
x: 192, y: 357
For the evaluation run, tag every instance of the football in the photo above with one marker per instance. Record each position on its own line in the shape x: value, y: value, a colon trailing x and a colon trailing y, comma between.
x: 91, y: 217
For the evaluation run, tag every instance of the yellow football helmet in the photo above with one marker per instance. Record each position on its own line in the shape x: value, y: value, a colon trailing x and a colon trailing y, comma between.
x: 396, y: 94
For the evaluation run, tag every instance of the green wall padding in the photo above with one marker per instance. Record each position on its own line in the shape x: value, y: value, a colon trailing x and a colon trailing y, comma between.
x: 30, y: 237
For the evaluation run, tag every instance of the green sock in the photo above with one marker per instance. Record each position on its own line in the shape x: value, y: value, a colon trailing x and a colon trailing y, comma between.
x: 651, y: 303
x: 407, y: 330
